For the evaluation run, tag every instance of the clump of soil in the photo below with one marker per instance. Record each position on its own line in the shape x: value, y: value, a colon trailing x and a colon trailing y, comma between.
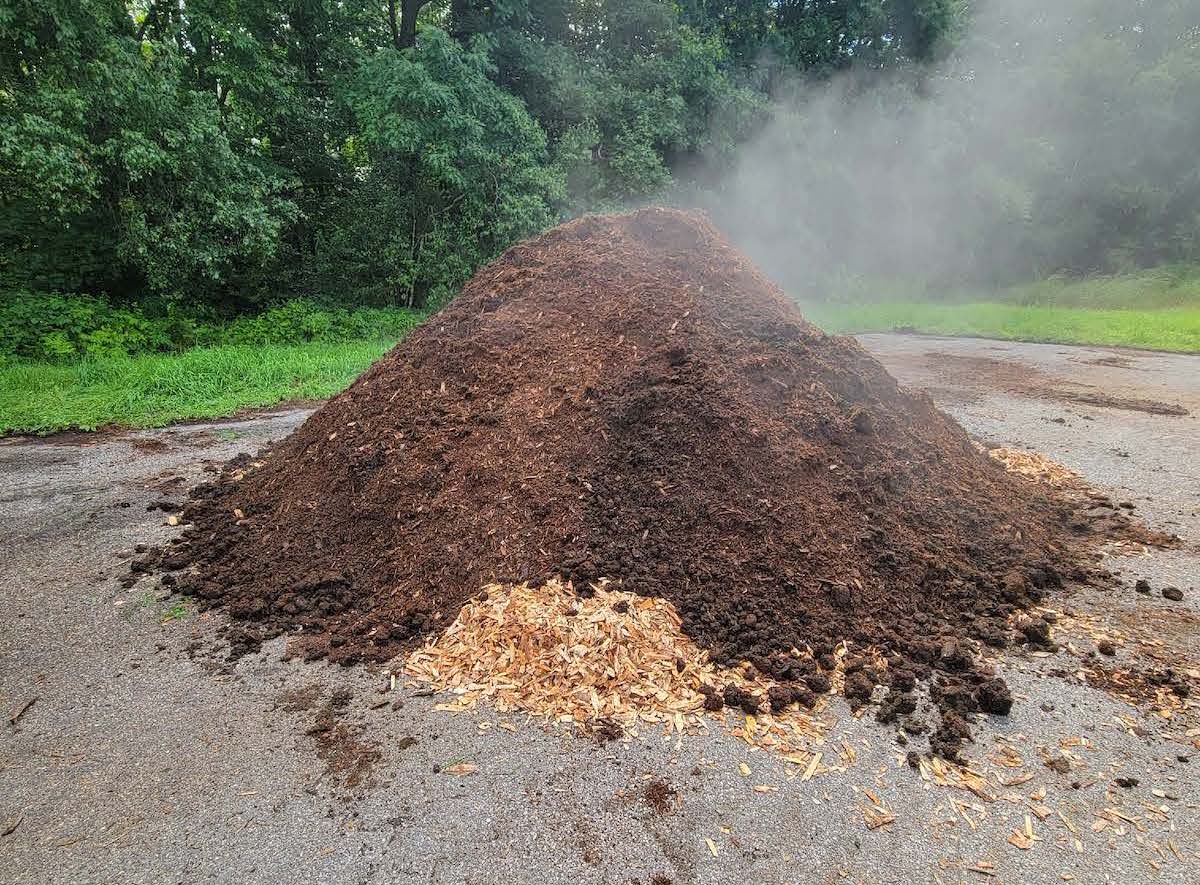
x: 627, y: 398
x: 660, y: 796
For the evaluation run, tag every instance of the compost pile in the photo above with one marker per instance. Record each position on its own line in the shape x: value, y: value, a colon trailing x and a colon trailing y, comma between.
x: 626, y: 397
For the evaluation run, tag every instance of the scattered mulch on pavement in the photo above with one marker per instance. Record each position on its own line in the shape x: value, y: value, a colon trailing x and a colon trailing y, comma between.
x: 1128, y: 404
x: 1101, y: 514
x: 627, y: 398
x: 1112, y: 361
x: 298, y: 700
x: 1023, y: 380
x: 1159, y: 669
x: 348, y: 755
x: 148, y: 445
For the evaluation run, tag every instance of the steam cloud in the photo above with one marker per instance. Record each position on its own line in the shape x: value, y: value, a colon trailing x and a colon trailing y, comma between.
x: 1023, y: 153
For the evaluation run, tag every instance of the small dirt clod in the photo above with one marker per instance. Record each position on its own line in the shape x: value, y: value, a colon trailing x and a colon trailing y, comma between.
x: 660, y: 796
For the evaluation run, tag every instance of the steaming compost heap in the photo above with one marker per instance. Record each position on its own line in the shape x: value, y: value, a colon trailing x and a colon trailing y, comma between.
x: 627, y: 398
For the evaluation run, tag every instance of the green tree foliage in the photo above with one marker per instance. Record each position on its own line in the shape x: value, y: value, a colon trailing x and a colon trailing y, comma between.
x: 115, y: 176
x: 216, y: 155
x: 1055, y: 138
x: 1118, y: 185
x: 628, y: 93
x: 449, y: 170
x: 817, y: 38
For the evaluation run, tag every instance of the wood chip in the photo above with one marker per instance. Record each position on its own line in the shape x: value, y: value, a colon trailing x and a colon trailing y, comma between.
x: 1016, y: 781
x: 1019, y: 839
x: 1068, y: 823
x: 22, y: 710
x: 1034, y: 466
x: 877, y: 817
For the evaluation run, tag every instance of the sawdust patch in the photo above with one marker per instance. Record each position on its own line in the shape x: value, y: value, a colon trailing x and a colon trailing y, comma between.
x: 1035, y: 466
x: 592, y: 662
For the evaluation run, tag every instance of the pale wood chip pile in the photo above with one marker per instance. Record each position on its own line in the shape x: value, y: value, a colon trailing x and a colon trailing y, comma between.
x: 1034, y: 466
x: 613, y: 658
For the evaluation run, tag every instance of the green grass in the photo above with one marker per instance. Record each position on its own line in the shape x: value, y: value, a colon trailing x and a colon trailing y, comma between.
x: 1155, y: 309
x: 1165, y: 329
x: 1166, y: 286
x: 179, y: 609
x: 1169, y: 286
x: 157, y: 389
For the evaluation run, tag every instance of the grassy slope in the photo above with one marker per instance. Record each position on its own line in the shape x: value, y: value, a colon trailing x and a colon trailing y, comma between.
x: 1157, y: 309
x: 1166, y: 329
x: 153, y: 390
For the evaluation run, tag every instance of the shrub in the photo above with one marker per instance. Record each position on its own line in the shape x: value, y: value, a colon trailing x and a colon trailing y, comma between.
x: 63, y: 328
x: 59, y: 327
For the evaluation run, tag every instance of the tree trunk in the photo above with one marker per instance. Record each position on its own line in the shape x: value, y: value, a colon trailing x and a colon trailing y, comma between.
x: 404, y: 31
x: 151, y: 12
x: 392, y: 24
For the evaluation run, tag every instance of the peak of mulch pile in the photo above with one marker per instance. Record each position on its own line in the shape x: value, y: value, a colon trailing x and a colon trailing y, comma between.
x: 627, y: 398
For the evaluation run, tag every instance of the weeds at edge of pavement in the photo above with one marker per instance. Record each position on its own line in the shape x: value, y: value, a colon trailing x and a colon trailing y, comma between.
x: 157, y: 389
x: 173, y: 608
x: 145, y: 600
x: 180, y: 609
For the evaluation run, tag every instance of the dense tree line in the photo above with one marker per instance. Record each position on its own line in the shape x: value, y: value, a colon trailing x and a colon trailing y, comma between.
x: 233, y: 152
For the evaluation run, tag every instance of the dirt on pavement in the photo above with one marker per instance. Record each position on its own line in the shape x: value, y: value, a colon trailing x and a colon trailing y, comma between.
x: 1024, y: 380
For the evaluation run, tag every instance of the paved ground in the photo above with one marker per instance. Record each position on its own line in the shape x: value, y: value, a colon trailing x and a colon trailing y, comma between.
x: 137, y: 762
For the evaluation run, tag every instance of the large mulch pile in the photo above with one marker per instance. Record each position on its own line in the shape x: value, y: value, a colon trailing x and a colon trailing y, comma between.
x: 627, y: 398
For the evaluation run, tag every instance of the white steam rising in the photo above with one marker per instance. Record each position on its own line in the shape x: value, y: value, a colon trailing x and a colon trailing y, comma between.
x: 1055, y: 137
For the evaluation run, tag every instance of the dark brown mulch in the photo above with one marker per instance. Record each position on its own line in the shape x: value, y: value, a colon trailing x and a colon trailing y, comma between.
x: 627, y: 397
x: 660, y: 796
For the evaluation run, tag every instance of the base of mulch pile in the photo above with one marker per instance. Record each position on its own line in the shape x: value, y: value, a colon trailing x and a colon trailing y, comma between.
x: 627, y: 399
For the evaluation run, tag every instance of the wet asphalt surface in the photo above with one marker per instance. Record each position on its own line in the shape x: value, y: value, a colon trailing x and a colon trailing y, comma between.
x: 140, y: 762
